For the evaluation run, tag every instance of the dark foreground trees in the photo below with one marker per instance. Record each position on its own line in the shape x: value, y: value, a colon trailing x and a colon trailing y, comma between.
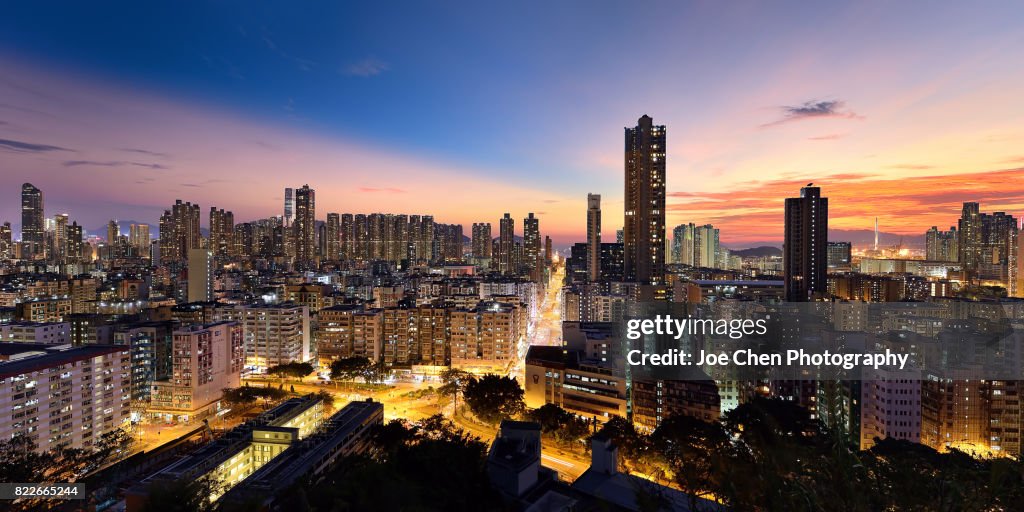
x: 771, y: 455
x: 434, y: 466
x: 20, y: 462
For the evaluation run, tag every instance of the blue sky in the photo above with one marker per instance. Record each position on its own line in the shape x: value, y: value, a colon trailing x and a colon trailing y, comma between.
x: 525, y: 100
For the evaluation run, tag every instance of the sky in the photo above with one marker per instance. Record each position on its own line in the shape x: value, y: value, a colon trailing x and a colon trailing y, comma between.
x: 468, y: 110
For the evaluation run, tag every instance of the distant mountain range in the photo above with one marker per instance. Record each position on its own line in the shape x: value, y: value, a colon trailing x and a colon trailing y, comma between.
x: 763, y: 251
x: 862, y: 238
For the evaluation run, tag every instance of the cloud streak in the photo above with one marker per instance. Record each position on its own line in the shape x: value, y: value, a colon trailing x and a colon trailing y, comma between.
x: 113, y: 163
x: 29, y: 147
x: 370, y: 66
x: 813, y: 109
x: 145, y: 152
x: 388, y: 190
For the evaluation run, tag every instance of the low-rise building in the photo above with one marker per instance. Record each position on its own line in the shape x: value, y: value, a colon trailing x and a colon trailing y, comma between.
x: 51, y: 333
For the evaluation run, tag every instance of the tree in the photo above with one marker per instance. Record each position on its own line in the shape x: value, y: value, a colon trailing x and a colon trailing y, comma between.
x: 328, y: 399
x: 294, y: 369
x: 245, y: 396
x: 493, y: 398
x: 377, y: 373
x: 182, y: 495
x: 550, y: 417
x: 20, y: 461
x: 632, y: 445
x: 433, y: 466
x: 350, y: 368
x: 454, y: 383
x: 695, y: 451
x: 575, y: 429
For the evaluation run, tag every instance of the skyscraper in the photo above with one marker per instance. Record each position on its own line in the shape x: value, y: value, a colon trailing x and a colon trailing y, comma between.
x: 60, y: 237
x: 289, y: 207
x: 6, y: 241
x: 482, y: 240
x: 644, y: 231
x: 333, y: 232
x: 33, y: 235
x: 73, y: 245
x: 988, y: 246
x: 506, y: 244
x: 683, y: 244
x: 705, y: 247
x: 805, y: 242
x: 115, y: 249
x: 531, y: 247
x: 347, y: 237
x: 179, y: 232
x: 941, y: 245
x: 594, y: 237
x: 138, y: 237
x: 222, y: 233
x: 304, y: 228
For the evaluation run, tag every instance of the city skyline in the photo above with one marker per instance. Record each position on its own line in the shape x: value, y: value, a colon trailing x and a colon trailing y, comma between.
x: 370, y: 124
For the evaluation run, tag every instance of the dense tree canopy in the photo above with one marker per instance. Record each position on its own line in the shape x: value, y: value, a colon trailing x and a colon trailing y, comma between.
x: 433, y: 466
x: 771, y: 455
x: 293, y: 370
x: 493, y: 398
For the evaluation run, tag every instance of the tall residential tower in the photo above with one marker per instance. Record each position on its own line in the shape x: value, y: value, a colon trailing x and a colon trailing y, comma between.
x: 644, y: 231
x: 804, y: 246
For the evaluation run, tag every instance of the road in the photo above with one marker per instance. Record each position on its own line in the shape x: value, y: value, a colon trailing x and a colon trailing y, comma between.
x: 547, y: 330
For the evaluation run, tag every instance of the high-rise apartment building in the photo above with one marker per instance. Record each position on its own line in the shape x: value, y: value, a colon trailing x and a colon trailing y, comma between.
x: 988, y: 246
x: 6, y: 241
x: 179, y: 232
x: 60, y: 237
x: 644, y: 231
x: 594, y: 237
x: 138, y: 238
x: 222, y: 233
x: 805, y: 242
x: 305, y: 225
x: 941, y: 245
x: 506, y: 244
x: 33, y: 235
x: 73, y: 247
x: 706, y: 247
x: 683, y: 244
x: 289, y: 207
x: 482, y: 240
x: 532, y: 248
x: 333, y: 233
